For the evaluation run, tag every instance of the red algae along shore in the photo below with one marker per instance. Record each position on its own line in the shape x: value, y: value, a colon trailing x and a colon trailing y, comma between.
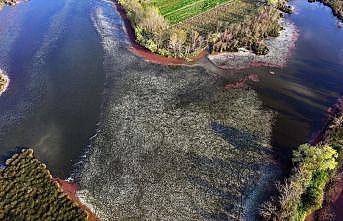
x: 70, y: 189
x: 333, y: 198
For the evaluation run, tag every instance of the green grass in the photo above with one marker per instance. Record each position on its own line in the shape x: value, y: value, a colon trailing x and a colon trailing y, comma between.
x: 180, y: 10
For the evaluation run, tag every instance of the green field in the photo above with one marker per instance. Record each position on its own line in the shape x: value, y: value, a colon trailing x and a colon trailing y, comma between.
x: 176, y: 11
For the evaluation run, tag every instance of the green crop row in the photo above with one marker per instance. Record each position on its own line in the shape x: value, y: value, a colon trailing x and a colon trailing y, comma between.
x: 181, y: 10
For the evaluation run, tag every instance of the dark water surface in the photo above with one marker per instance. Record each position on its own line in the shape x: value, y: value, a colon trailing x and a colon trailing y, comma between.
x: 53, y: 56
x: 312, y: 80
x: 54, y: 60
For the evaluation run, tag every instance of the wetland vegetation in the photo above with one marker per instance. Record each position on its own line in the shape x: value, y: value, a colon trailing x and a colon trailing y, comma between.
x: 178, y: 143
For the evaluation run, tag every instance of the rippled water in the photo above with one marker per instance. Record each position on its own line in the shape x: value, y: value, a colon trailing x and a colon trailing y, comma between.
x: 310, y: 83
x: 54, y: 58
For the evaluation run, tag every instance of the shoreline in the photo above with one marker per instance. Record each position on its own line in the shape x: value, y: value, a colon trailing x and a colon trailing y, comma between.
x: 226, y: 60
x: 4, y: 77
x: 333, y: 192
x: 71, y: 188
x: 334, y: 10
x: 139, y: 50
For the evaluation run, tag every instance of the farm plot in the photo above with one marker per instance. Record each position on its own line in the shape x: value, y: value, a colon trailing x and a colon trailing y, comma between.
x: 180, y: 10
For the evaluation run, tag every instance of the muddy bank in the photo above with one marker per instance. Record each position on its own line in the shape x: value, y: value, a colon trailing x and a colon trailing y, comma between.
x: 144, y: 53
x: 280, y: 50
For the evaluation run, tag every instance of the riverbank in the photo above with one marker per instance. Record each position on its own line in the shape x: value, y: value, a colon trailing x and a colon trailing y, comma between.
x: 28, y: 191
x: 4, y: 82
x: 315, y: 177
x: 71, y: 189
x: 331, y: 209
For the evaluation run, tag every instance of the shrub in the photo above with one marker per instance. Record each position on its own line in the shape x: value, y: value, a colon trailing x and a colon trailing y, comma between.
x: 303, y: 192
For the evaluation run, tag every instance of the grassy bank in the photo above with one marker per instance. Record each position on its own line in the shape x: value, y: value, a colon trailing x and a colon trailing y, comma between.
x: 184, y: 28
x: 314, y: 166
x: 27, y: 192
x: 335, y: 5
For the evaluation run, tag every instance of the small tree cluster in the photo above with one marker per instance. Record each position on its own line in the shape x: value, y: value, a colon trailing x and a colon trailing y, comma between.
x: 302, y: 192
x: 251, y: 33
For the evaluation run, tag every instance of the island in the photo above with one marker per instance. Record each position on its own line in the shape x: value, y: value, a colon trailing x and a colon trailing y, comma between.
x: 184, y: 29
x: 4, y: 82
x: 28, y: 192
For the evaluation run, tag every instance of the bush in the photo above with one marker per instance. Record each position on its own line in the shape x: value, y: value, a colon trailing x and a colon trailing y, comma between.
x: 303, y: 191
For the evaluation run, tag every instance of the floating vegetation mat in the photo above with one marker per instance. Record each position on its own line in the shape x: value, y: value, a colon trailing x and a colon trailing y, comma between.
x: 27, y: 192
x: 176, y: 147
x: 172, y: 144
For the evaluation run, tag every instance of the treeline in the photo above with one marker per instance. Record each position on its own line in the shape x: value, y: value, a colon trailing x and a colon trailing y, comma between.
x: 335, y: 5
x: 303, y: 192
x: 251, y: 33
x: 154, y: 33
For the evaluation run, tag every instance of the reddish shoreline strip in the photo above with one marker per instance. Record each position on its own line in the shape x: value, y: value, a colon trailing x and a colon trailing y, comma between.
x: 70, y: 189
x: 333, y: 198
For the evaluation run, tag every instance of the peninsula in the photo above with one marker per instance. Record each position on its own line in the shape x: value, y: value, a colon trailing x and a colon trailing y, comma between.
x: 183, y: 29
